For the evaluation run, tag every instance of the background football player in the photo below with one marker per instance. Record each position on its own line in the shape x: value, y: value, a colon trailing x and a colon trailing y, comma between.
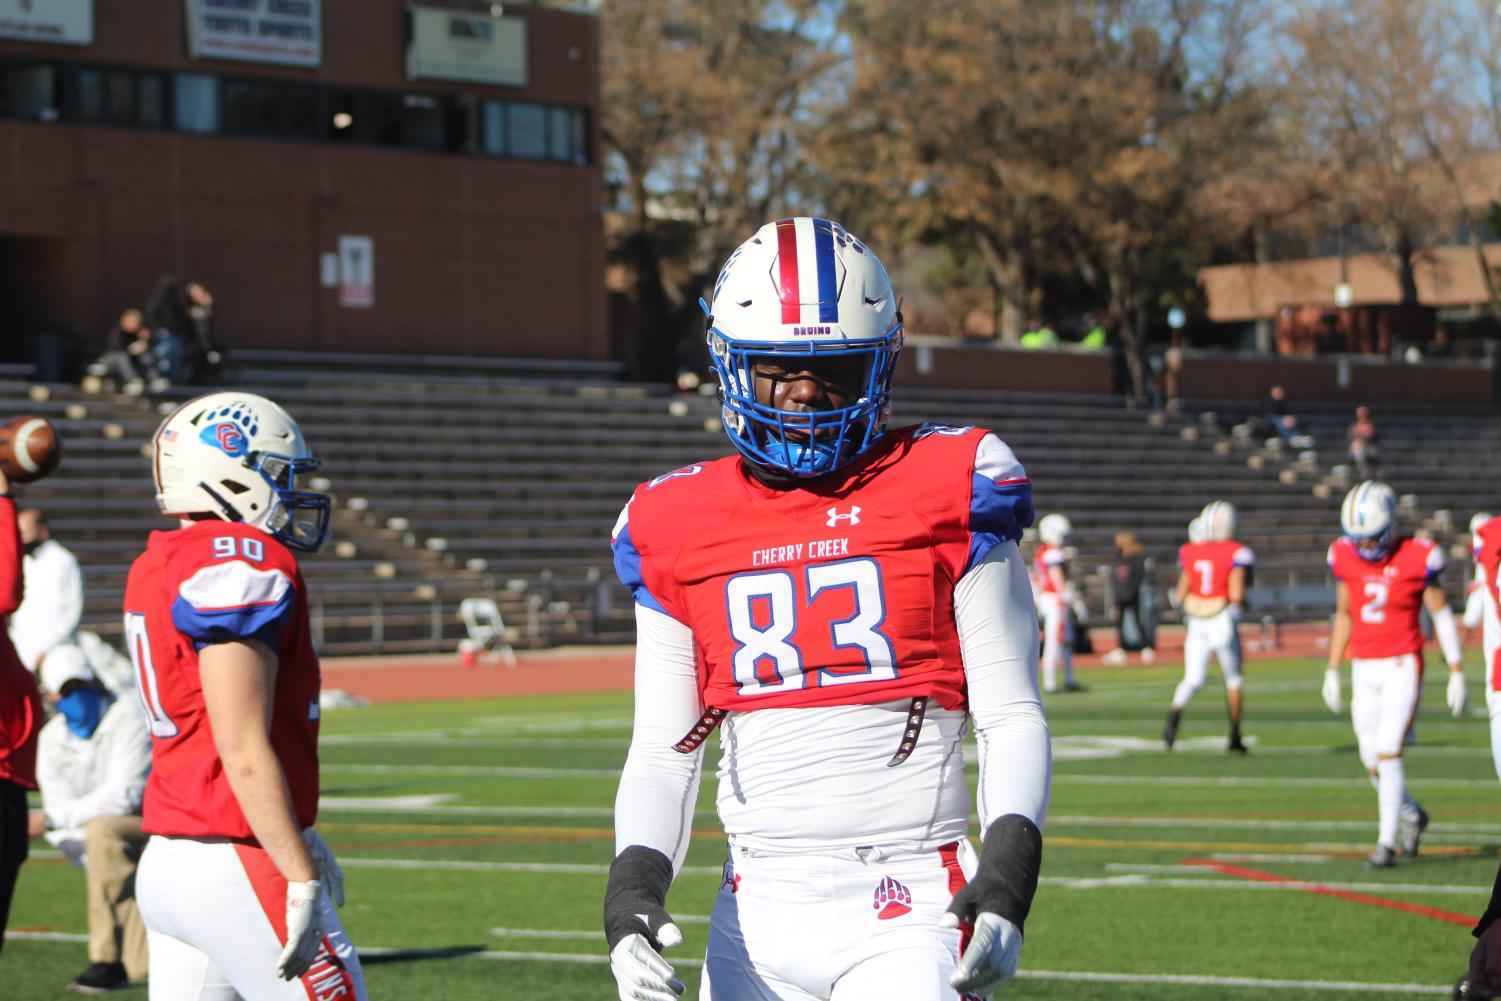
x: 1211, y: 592
x: 1487, y: 546
x: 1474, y: 613
x: 234, y: 885
x: 845, y: 599
x: 1054, y: 593
x: 1382, y: 583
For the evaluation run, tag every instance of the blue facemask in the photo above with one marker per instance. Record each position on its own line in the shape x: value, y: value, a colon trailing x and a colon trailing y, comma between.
x: 83, y: 708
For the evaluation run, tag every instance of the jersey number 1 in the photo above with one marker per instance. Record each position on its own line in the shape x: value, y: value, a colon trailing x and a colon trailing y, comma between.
x: 772, y: 641
x: 147, y: 687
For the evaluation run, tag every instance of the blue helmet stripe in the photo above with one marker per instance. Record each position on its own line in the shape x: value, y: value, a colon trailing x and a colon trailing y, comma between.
x: 823, y: 258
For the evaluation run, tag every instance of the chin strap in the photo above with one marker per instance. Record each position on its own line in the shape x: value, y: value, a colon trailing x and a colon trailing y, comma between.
x: 231, y: 513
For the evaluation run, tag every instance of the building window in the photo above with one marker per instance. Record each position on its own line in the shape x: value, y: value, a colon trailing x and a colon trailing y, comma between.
x: 526, y: 130
x: 195, y: 101
x: 88, y: 100
x: 28, y: 92
x: 120, y: 98
x: 151, y: 110
x: 494, y: 128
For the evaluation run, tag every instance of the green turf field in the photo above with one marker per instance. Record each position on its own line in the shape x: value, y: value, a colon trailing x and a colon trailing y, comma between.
x: 475, y: 838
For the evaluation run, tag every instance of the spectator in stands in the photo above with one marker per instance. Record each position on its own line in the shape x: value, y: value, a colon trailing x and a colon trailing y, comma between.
x: 1132, y: 605
x: 1095, y: 338
x: 127, y: 356
x: 1039, y: 336
x: 92, y: 763
x: 1285, y: 424
x: 20, y: 717
x: 52, y: 608
x: 203, y: 359
x: 1362, y: 438
x: 171, y: 327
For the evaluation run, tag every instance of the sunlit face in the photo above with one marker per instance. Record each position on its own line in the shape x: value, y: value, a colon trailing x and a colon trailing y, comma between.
x: 31, y: 528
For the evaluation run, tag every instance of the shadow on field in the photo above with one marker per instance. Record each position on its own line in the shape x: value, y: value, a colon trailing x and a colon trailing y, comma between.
x: 387, y: 956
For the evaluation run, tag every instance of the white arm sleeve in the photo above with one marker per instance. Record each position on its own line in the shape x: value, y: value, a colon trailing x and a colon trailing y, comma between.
x: 998, y: 640
x: 1447, y: 634
x: 659, y: 786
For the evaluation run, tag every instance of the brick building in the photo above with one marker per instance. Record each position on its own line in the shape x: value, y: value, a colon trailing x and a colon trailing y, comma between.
x: 370, y: 175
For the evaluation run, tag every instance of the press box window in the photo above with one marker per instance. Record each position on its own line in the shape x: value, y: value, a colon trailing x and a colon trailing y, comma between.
x: 28, y: 92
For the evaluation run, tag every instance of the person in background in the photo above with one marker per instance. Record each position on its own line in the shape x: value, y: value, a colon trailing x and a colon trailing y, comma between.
x: 127, y: 357
x: 203, y: 359
x: 53, y: 607
x: 1133, y: 624
x: 1284, y: 423
x: 1362, y: 438
x: 20, y: 717
x: 92, y: 761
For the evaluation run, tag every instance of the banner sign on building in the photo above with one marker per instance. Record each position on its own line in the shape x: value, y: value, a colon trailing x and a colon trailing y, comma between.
x: 285, y: 32
x: 356, y: 272
x: 65, y: 22
x: 467, y: 46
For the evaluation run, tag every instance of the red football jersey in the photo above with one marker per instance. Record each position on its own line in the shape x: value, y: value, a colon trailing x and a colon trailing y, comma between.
x: 1386, y: 596
x: 1209, y: 565
x: 1488, y: 558
x: 1046, y: 557
x: 837, y: 592
x: 20, y: 704
x: 217, y: 582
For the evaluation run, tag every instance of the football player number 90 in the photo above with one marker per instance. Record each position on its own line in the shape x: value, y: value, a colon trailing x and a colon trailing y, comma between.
x: 770, y: 639
x: 151, y: 697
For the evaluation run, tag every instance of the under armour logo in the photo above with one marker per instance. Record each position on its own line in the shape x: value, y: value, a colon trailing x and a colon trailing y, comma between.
x: 853, y: 516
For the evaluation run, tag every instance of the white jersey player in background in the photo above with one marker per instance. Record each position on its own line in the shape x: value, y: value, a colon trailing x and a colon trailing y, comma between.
x: 1055, y: 594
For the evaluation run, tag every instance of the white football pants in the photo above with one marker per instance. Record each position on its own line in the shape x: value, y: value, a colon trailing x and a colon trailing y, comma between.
x: 1215, y: 635
x: 1383, y: 698
x: 836, y: 927
x: 215, y: 916
x: 1493, y: 703
x: 1474, y: 606
x: 1057, y: 640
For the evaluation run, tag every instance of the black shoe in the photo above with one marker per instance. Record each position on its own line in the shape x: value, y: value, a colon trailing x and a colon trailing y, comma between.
x: 1074, y: 686
x: 100, y: 978
x: 1412, y: 832
x: 1382, y: 858
x: 1235, y: 746
x: 1170, y: 728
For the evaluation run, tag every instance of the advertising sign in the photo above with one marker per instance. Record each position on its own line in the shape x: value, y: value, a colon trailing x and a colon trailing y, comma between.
x: 65, y: 22
x: 284, y: 32
x: 466, y: 46
x: 356, y: 272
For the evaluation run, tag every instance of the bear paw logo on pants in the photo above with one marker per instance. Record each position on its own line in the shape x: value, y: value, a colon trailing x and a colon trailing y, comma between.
x: 892, y: 899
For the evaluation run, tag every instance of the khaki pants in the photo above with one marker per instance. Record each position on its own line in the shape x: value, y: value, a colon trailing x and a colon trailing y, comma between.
x: 112, y: 847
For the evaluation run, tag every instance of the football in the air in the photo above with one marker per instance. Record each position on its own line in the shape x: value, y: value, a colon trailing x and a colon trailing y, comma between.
x: 29, y: 448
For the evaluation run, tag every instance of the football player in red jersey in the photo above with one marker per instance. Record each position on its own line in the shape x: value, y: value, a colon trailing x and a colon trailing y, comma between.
x: 1486, y: 544
x: 20, y: 715
x: 846, y: 600
x: 1382, y: 583
x: 236, y: 888
x: 1211, y: 590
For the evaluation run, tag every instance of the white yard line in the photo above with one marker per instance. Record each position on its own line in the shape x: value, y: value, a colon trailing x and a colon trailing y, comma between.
x: 1230, y: 780
x: 599, y: 959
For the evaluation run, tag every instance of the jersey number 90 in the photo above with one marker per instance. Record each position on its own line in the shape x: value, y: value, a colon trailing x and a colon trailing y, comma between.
x: 766, y: 660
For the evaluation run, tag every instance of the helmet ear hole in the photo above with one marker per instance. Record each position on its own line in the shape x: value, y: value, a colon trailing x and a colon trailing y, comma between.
x: 234, y: 486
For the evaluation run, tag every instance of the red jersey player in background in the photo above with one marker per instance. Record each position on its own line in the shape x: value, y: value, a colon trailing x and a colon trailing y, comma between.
x: 20, y: 715
x: 1382, y: 583
x: 1054, y: 594
x: 235, y: 886
x: 1211, y: 592
x: 847, y: 600
x: 1486, y: 543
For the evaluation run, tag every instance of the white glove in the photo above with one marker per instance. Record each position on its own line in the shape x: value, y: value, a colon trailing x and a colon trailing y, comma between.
x: 1456, y: 695
x: 1331, y: 690
x: 990, y: 960
x: 329, y: 873
x: 304, y: 931
x: 641, y: 974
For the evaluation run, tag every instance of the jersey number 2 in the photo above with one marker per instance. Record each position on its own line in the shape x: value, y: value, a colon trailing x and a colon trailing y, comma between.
x: 1374, y: 609
x: 772, y: 641
x: 147, y: 688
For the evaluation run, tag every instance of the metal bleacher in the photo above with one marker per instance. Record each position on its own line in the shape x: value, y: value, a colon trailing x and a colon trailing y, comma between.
x: 455, y: 480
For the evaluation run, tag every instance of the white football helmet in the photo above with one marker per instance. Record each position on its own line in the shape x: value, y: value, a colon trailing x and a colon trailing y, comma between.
x: 237, y: 456
x: 803, y: 288
x: 1196, y: 531
x: 1054, y: 529
x: 1368, y: 517
x: 1478, y: 520
x: 1218, y: 521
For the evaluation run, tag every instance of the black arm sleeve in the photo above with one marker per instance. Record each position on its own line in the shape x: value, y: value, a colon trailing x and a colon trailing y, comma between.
x: 1006, y: 880
x: 637, y: 889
